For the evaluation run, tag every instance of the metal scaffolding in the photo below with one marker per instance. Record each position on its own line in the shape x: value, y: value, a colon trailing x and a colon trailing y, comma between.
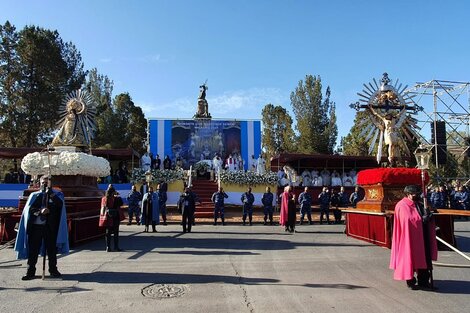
x: 447, y: 101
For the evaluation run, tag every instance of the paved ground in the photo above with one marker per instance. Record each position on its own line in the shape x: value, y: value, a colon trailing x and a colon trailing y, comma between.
x: 233, y: 269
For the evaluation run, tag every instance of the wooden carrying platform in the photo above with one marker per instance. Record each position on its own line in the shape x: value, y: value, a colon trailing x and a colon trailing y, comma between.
x: 372, y: 219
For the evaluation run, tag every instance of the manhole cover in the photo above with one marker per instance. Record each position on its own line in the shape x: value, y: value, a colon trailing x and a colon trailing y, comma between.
x: 164, y: 291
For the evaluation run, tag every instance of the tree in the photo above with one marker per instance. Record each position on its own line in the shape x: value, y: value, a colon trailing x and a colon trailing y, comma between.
x: 37, y: 70
x: 131, y: 121
x: 331, y: 132
x: 100, y: 88
x: 317, y: 129
x: 10, y: 117
x: 354, y: 143
x: 278, y: 135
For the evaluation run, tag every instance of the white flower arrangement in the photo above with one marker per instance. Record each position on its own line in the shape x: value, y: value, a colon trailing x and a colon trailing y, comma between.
x: 248, y: 178
x: 65, y: 163
x: 201, y: 167
x: 168, y: 176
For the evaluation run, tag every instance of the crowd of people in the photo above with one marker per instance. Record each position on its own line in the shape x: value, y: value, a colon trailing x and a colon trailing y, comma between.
x: 44, y: 220
x: 233, y: 162
x: 442, y: 196
x: 16, y: 177
x: 289, y: 176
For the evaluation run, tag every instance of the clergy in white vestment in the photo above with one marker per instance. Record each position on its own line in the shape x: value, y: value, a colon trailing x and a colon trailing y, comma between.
x: 145, y: 162
x: 261, y: 165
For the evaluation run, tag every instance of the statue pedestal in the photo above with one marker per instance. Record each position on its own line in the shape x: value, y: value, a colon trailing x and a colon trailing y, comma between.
x: 66, y: 148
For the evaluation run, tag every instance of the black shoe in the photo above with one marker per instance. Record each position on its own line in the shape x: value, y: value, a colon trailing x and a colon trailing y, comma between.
x: 164, y: 223
x: 108, y: 249
x: 223, y: 223
x: 55, y: 274
x: 244, y: 223
x: 310, y: 223
x: 28, y: 277
x: 264, y: 223
x: 301, y: 222
x: 215, y: 224
x: 154, y: 231
x: 119, y: 250
x: 411, y: 283
x: 251, y: 223
x: 129, y: 223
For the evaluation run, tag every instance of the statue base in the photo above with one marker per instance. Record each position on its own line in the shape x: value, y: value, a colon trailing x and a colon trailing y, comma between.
x: 67, y: 148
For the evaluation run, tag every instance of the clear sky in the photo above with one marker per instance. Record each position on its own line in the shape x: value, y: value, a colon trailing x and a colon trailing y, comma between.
x: 254, y: 52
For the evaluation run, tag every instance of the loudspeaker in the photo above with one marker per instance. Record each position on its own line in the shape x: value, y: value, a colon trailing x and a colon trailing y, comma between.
x: 439, y: 138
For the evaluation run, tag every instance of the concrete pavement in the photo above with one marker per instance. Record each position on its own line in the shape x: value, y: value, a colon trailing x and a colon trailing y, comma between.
x: 233, y: 268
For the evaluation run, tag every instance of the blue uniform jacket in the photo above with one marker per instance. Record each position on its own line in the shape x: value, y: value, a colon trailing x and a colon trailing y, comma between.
x: 248, y: 199
x: 218, y: 198
x: 305, y: 200
x: 267, y: 199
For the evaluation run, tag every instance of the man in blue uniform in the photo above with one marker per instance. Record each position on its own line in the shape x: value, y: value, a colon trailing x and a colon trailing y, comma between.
x: 267, y: 201
x: 324, y: 200
x: 162, y: 189
x: 187, y: 203
x: 248, y: 199
x: 305, y: 201
x: 43, y: 223
x: 133, y: 198
x: 218, y: 199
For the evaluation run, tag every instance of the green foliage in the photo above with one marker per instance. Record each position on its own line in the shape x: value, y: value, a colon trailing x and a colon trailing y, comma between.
x: 278, y: 135
x: 354, y: 143
x: 120, y: 124
x: 316, y: 120
x: 37, y: 69
x: 101, y: 89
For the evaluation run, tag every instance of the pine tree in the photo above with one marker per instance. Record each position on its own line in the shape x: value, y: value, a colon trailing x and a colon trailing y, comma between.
x: 10, y: 116
x: 37, y: 71
x: 354, y: 143
x: 317, y: 131
x: 278, y: 135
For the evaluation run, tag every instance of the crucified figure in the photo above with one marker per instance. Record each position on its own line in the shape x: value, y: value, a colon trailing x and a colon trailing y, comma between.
x: 391, y: 132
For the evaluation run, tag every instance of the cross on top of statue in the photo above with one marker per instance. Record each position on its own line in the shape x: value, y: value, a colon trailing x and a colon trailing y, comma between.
x: 385, y: 97
x: 202, y: 105
x: 388, y: 123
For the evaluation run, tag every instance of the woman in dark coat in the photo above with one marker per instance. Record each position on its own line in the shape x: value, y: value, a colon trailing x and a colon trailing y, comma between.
x: 111, y: 205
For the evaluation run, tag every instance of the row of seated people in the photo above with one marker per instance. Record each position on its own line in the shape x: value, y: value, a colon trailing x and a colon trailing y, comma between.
x: 288, y: 176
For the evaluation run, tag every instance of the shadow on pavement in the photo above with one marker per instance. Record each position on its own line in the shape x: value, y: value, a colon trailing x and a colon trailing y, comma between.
x: 164, y: 278
x: 212, y: 252
x: 452, y: 286
x: 50, y: 289
x: 335, y: 286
